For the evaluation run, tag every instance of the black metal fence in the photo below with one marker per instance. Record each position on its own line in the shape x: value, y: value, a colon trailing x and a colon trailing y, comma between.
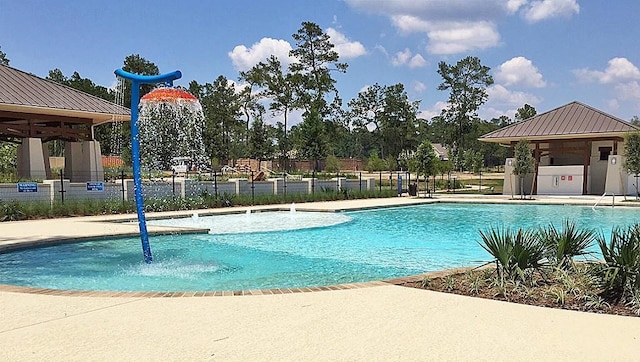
x: 118, y: 185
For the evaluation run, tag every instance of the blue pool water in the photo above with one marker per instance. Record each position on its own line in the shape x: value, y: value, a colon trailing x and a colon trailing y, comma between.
x: 355, y: 247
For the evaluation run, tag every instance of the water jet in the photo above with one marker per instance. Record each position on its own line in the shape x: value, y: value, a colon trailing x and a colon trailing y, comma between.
x: 136, y: 81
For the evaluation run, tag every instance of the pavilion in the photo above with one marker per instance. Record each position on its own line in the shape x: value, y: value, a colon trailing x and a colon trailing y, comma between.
x: 577, y: 151
x: 34, y: 111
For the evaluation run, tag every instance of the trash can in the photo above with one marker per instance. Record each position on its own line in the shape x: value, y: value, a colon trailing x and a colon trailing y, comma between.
x: 413, y: 190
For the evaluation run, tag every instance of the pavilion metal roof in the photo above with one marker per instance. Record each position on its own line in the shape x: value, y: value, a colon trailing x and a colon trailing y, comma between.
x: 571, y: 121
x: 27, y: 94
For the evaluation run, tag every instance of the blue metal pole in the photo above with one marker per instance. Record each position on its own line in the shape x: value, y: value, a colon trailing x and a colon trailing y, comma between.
x: 136, y: 81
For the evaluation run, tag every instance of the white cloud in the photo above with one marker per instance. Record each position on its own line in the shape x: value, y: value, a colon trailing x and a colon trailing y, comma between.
x: 401, y: 58
x: 238, y: 87
x: 435, y: 110
x: 519, y: 71
x: 444, y: 10
x: 345, y: 48
x: 613, y: 104
x: 621, y: 76
x: 410, y: 24
x: 501, y: 96
x: 628, y: 91
x: 491, y: 113
x: 418, y: 86
x: 545, y: 9
x: 450, y: 37
x: 382, y: 50
x: 460, y: 26
x: 244, y: 58
x: 514, y: 5
x: 618, y: 70
x: 364, y: 88
x: 417, y: 61
x: 407, y: 58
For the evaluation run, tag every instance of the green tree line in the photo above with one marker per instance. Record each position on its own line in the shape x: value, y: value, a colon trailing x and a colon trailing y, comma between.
x: 381, y: 122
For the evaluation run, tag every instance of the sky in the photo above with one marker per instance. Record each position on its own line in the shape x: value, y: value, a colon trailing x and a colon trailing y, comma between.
x: 545, y: 53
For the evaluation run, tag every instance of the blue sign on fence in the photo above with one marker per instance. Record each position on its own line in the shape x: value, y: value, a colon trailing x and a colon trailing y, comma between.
x: 95, y: 186
x: 27, y: 187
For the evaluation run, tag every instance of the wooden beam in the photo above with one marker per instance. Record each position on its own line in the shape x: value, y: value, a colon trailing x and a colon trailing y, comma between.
x: 64, y: 128
x: 18, y: 116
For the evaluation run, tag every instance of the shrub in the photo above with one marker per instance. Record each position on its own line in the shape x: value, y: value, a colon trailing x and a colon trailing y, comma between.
x: 332, y: 164
x: 10, y: 211
x: 375, y: 163
x: 621, y: 272
x: 561, y: 246
x: 16, y: 210
x: 516, y: 254
x: 524, y: 163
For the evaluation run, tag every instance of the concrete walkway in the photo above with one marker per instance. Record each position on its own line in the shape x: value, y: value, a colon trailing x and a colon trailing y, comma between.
x: 383, y: 322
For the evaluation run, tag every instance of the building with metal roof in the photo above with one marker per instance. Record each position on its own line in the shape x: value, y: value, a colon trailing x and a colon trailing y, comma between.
x: 441, y: 151
x: 35, y: 110
x: 576, y: 150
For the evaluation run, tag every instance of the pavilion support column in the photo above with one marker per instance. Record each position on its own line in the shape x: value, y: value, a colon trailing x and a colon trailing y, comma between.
x: 47, y: 163
x: 535, y: 170
x: 83, y: 161
x: 30, y: 160
x: 510, y: 187
x: 585, y: 169
x: 617, y: 177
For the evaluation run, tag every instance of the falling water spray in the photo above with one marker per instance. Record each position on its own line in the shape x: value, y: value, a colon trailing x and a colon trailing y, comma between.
x: 136, y: 81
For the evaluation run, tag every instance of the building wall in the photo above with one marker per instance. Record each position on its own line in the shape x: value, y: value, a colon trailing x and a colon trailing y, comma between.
x: 560, y: 180
x: 511, y: 184
x: 598, y: 167
x: 546, y: 182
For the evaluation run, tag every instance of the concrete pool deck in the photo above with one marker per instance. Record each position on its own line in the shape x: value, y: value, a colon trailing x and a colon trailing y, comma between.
x: 377, y: 321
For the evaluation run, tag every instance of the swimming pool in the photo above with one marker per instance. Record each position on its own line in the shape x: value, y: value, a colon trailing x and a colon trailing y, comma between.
x: 356, y: 246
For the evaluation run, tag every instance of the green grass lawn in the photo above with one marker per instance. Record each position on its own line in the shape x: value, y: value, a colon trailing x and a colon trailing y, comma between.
x: 497, y: 184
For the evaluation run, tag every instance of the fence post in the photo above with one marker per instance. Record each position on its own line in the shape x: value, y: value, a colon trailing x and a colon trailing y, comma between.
x: 62, y: 191
x: 215, y: 182
x: 252, y: 189
x: 173, y: 182
x: 360, y: 183
x: 380, y: 183
x: 313, y: 182
x: 337, y: 180
x: 122, y: 185
x: 284, y: 184
x: 434, y: 184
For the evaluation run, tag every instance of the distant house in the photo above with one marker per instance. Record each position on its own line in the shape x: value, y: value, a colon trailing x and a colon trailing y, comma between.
x: 441, y: 151
x: 577, y: 151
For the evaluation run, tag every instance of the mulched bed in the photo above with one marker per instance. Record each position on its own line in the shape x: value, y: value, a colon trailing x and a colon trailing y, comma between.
x: 558, y: 290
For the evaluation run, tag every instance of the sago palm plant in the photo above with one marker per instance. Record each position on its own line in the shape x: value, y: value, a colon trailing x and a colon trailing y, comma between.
x: 561, y: 246
x: 621, y: 273
x: 515, y: 253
